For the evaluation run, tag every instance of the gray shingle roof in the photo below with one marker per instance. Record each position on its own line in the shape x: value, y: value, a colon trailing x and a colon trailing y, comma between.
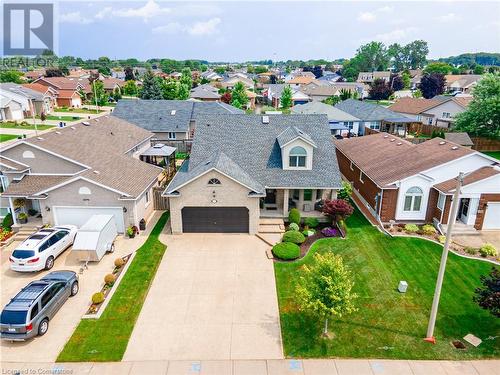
x: 253, y: 147
x: 291, y: 133
x: 334, y: 114
x: 460, y: 138
x: 369, y: 111
x: 156, y: 115
x: 21, y: 90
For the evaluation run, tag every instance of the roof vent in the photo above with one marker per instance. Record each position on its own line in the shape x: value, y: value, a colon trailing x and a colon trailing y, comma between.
x: 386, y: 136
x: 392, y: 140
x: 158, y: 145
x: 442, y: 143
x: 265, y: 119
x: 96, y: 172
x: 58, y: 132
x: 399, y: 143
x: 39, y: 138
x: 96, y: 120
x: 172, y: 112
x: 86, y: 123
x: 73, y: 128
x: 454, y: 148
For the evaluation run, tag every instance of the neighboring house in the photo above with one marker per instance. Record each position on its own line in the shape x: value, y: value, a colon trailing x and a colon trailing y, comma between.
x: 10, y: 109
x: 205, y: 93
x: 369, y: 77
x: 322, y: 91
x: 298, y: 81
x: 415, y: 77
x: 34, y: 74
x: 49, y: 94
x: 32, y: 101
x: 67, y: 89
x: 273, y: 95
x: 245, y: 167
x: 329, y: 77
x: 119, y: 74
x: 81, y: 170
x: 438, y: 111
x: 211, y: 75
x: 169, y: 120
x: 373, y: 116
x: 461, y: 82
x: 229, y: 82
x: 299, y: 73
x: 459, y: 138
x: 414, y: 183
x: 112, y: 84
x: 341, y: 123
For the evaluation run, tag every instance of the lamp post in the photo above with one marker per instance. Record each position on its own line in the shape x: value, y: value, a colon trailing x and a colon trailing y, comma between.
x: 439, y: 283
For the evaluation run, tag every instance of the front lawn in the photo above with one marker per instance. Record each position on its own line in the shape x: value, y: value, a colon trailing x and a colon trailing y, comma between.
x: 14, y: 125
x: 493, y: 154
x: 389, y: 324
x: 106, y: 338
x: 77, y: 110
x: 7, y: 137
x: 60, y: 118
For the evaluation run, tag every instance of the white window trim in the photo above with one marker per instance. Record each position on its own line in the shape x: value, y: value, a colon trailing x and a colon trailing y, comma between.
x: 361, y: 177
x: 172, y: 135
x: 147, y: 198
x: 442, y: 199
x: 412, y: 203
x: 351, y: 166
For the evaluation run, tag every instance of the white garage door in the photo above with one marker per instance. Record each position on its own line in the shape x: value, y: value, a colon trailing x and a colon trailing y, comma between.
x: 17, y: 114
x: 492, y: 216
x: 79, y: 215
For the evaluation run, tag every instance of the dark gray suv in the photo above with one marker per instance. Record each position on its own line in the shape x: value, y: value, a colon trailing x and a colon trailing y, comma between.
x: 29, y: 312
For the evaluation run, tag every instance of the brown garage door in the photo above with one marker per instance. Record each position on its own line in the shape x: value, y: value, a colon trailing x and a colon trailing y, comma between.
x: 215, y: 220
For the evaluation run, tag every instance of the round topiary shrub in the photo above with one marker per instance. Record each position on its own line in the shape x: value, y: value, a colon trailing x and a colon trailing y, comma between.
x: 293, y: 236
x: 429, y: 229
x: 286, y: 250
x: 311, y: 222
x: 411, y: 228
x: 442, y: 239
x: 488, y: 250
x: 8, y: 221
x: 308, y: 232
x: 294, y: 216
x: 119, y: 262
x: 109, y: 279
x: 293, y: 226
x: 97, y: 298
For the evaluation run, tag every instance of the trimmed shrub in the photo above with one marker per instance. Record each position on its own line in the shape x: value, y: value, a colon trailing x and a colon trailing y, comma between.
x: 109, y: 279
x: 32, y: 212
x: 311, y: 222
x: 119, y: 262
x: 286, y: 250
x: 293, y: 236
x: 8, y: 221
x: 330, y: 232
x: 294, y: 216
x: 294, y: 227
x: 470, y: 250
x: 488, y: 250
x: 429, y: 229
x: 442, y: 239
x: 97, y: 298
x: 308, y: 232
x: 411, y: 228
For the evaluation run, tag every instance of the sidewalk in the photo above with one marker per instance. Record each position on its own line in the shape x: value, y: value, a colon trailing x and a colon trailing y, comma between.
x: 261, y: 367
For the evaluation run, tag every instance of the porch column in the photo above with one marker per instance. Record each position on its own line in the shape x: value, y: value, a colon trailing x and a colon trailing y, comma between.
x: 286, y: 195
x: 300, y: 205
x: 314, y: 195
x: 11, y: 204
x: 333, y: 194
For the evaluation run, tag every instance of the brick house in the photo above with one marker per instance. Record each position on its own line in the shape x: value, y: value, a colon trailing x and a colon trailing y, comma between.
x: 397, y: 180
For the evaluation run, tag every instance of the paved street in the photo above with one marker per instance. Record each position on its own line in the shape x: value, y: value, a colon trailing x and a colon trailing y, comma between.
x: 262, y: 367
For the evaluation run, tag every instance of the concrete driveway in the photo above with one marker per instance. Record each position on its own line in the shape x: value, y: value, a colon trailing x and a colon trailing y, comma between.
x: 214, y: 297
x: 48, y: 347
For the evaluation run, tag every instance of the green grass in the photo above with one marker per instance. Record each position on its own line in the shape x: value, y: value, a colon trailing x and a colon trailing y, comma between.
x: 106, y: 338
x: 385, y: 103
x: 77, y: 110
x: 385, y: 317
x: 493, y: 154
x: 61, y: 118
x: 13, y: 125
x: 181, y: 155
x: 7, y: 137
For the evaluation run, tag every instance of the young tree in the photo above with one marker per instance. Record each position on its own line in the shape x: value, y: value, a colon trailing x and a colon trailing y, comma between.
x: 170, y: 89
x: 380, y: 90
x: 478, y: 69
x: 337, y: 209
x: 130, y: 88
x: 99, y: 96
x: 236, y: 103
x: 286, y: 97
x: 151, y: 87
x: 438, y: 67
x: 54, y: 72
x: 239, y: 95
x: 488, y: 296
x: 129, y: 74
x: 11, y: 76
x: 432, y: 85
x: 186, y: 78
x: 347, y: 94
x: 117, y: 94
x: 183, y: 92
x: 332, y: 100
x: 482, y: 116
x: 325, y: 289
x: 406, y: 78
x: 226, y: 98
x: 43, y: 117
x: 397, y: 83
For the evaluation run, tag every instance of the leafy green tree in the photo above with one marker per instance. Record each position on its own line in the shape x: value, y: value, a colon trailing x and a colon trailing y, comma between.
x: 286, y: 97
x: 347, y: 94
x: 406, y: 78
x: 236, y: 103
x: 130, y: 88
x: 332, y: 100
x: 183, y: 92
x: 11, y: 76
x: 438, y: 67
x: 117, y: 94
x: 373, y: 57
x: 478, y: 69
x: 151, y: 87
x: 99, y: 96
x: 239, y: 95
x: 325, y: 288
x: 186, y: 78
x: 482, y: 117
x: 417, y: 94
x: 260, y: 69
x: 170, y: 89
x: 129, y: 74
x: 488, y: 295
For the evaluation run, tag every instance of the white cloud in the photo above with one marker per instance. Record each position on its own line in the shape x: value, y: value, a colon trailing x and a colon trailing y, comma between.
x: 450, y: 17
x: 170, y: 28
x: 74, y: 17
x: 104, y: 12
x: 385, y: 9
x: 396, y: 35
x: 149, y: 10
x: 367, y: 17
x: 204, y: 28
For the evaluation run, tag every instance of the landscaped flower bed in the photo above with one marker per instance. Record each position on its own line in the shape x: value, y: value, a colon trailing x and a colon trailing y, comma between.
x: 109, y: 281
x: 5, y: 234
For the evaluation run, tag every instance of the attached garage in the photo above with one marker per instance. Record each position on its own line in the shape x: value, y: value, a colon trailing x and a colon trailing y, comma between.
x: 215, y: 220
x: 80, y: 215
x: 492, y: 216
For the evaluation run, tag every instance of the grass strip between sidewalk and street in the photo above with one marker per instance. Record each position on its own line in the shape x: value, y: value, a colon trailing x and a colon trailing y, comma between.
x: 106, y: 338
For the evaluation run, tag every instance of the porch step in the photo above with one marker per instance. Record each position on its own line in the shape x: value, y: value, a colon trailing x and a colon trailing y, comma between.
x: 271, y: 225
x: 24, y: 232
x: 271, y: 220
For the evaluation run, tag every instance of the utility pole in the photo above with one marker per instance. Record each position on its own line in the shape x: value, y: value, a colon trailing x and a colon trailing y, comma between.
x: 437, y: 293
x: 95, y: 96
x: 33, y: 114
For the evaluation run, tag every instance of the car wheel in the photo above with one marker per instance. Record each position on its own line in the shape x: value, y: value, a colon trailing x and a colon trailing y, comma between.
x: 74, y: 288
x: 43, y: 327
x: 49, y: 263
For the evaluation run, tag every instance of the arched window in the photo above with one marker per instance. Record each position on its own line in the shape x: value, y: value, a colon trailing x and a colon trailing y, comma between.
x: 413, y: 199
x: 297, y: 157
x: 28, y: 155
x: 214, y: 181
x: 84, y: 191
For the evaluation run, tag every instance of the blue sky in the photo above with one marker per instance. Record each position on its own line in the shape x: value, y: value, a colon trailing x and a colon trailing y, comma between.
x: 239, y: 30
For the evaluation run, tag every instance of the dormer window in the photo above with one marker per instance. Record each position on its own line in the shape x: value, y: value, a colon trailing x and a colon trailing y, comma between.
x: 297, y: 157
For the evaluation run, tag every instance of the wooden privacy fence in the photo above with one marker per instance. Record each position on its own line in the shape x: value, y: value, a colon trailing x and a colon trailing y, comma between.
x: 485, y: 144
x: 423, y: 128
x: 159, y: 202
x: 369, y: 131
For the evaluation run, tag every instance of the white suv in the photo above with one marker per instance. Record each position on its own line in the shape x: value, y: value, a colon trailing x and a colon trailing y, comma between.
x: 39, y: 251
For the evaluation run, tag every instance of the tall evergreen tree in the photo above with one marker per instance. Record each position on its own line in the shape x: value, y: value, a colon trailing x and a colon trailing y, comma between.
x: 286, y: 97
x: 151, y: 87
x: 186, y: 78
x: 239, y: 95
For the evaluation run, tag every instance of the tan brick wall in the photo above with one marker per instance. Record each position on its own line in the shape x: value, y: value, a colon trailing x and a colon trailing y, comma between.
x: 482, y: 208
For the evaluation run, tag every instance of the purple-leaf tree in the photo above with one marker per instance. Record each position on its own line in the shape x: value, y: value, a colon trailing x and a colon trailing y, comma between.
x: 337, y: 209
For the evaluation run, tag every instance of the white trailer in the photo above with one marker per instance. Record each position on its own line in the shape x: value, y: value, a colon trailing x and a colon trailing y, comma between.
x: 95, y: 238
